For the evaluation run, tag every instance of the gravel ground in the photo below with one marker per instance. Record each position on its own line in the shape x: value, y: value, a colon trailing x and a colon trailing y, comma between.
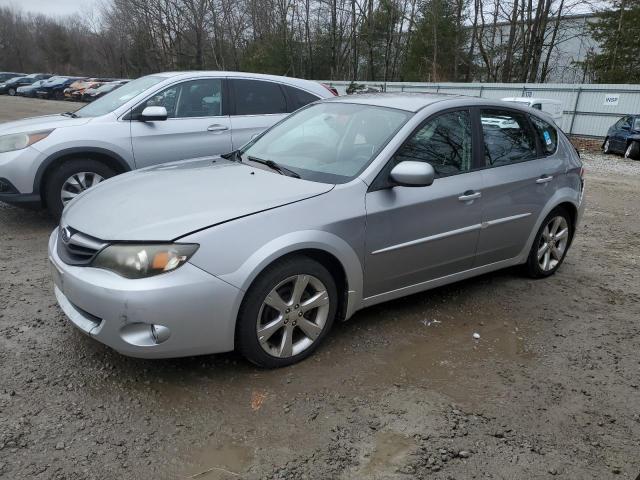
x: 402, y: 391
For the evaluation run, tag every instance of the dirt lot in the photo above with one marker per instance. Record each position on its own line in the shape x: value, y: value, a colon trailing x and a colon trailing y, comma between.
x: 401, y: 391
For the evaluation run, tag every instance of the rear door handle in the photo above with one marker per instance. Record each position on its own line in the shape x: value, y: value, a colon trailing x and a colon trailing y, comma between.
x: 544, y: 179
x: 216, y: 127
x: 469, y: 195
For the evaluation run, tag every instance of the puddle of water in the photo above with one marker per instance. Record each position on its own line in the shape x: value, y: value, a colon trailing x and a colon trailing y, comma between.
x: 390, y: 452
x: 221, y: 461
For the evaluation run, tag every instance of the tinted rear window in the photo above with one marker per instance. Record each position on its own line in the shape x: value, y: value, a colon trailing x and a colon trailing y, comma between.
x: 298, y: 98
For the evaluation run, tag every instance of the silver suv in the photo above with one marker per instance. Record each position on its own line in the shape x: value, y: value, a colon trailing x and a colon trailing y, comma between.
x: 347, y: 203
x: 49, y: 160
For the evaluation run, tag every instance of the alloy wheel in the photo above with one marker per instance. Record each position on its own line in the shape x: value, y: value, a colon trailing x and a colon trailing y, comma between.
x: 78, y: 183
x: 292, y: 316
x: 607, y: 146
x: 627, y: 153
x: 553, y: 243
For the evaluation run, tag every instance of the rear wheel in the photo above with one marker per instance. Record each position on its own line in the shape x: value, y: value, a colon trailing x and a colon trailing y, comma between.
x: 550, y: 245
x: 606, y: 147
x: 286, y: 313
x: 633, y: 151
x: 70, y: 179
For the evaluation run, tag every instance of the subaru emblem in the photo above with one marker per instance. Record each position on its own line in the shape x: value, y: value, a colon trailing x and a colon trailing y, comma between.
x: 66, y: 235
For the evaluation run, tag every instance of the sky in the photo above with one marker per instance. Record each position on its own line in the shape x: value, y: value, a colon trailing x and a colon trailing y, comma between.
x: 52, y: 7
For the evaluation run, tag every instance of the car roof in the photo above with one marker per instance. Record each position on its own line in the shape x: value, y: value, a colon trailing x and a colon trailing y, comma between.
x: 532, y: 99
x: 312, y: 85
x: 411, y: 102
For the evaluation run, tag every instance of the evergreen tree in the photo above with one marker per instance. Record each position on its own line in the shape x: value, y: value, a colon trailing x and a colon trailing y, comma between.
x: 617, y: 31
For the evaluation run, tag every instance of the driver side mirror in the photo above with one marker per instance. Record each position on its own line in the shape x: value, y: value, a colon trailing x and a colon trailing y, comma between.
x: 412, y: 174
x: 153, y: 114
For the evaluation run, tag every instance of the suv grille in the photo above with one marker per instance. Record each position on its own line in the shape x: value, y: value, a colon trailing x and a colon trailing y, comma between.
x: 75, y: 248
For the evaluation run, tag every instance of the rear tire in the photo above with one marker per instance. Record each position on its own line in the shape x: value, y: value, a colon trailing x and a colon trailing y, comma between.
x: 550, y: 245
x: 68, y: 173
x: 272, y: 312
x: 633, y: 151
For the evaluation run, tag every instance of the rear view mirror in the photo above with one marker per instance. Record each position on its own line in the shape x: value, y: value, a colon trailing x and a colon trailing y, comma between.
x: 153, y: 114
x: 412, y: 174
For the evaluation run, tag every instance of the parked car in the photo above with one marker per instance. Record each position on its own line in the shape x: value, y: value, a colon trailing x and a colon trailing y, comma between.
x: 78, y: 86
x: 4, y: 76
x: 10, y: 87
x: 40, y: 76
x: 49, y: 160
x: 347, y: 203
x: 623, y: 137
x: 54, y: 87
x: 553, y: 108
x: 29, y: 90
x: 91, y: 94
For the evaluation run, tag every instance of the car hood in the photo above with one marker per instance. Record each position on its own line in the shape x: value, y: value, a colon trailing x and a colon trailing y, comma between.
x: 168, y: 201
x: 45, y: 122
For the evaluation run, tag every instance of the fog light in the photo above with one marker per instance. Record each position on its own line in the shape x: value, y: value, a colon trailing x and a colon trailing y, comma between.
x: 6, y: 187
x: 159, y: 333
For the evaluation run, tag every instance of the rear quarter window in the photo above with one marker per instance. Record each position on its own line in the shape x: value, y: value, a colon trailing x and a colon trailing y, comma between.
x: 298, y: 98
x: 548, y: 135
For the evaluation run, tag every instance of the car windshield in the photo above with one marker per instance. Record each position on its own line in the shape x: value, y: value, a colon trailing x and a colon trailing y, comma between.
x: 328, y: 142
x: 636, y: 124
x: 118, y: 97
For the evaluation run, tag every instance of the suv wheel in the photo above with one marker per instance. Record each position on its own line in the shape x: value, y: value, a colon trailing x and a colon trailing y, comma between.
x: 606, y: 147
x: 633, y: 151
x: 286, y: 313
x: 550, y: 245
x: 70, y: 179
x: 12, y: 91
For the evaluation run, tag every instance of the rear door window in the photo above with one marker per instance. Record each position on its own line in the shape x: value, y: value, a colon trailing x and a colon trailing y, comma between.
x: 508, y: 137
x: 258, y: 97
x: 547, y: 134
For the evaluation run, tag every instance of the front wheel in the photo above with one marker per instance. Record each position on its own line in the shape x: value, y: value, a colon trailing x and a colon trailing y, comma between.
x: 633, y: 151
x: 606, y: 146
x: 286, y: 313
x: 12, y: 91
x: 550, y: 245
x: 70, y: 179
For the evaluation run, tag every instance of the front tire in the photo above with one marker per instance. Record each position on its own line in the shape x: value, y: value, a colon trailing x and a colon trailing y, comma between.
x: 633, y: 151
x: 550, y: 245
x: 12, y: 92
x: 70, y: 179
x: 286, y: 313
x: 606, y: 146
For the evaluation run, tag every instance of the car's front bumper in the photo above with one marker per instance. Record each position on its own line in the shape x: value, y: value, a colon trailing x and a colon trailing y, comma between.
x: 17, y: 172
x: 198, y: 309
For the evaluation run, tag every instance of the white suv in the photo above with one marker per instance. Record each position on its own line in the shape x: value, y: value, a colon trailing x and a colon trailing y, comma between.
x: 49, y: 160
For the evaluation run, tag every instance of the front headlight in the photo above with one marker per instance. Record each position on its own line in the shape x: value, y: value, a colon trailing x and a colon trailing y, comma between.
x: 18, y: 141
x: 140, y: 261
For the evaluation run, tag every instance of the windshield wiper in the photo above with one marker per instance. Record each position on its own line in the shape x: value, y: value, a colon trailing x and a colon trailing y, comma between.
x: 234, y: 156
x: 275, y: 166
x: 70, y: 114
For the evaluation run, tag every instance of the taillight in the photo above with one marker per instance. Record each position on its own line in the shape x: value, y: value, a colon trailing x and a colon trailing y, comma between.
x: 331, y: 89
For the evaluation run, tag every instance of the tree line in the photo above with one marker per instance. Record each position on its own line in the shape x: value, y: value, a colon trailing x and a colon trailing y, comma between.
x: 358, y: 40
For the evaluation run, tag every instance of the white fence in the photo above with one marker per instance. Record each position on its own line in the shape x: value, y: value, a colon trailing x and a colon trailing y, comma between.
x: 589, y: 110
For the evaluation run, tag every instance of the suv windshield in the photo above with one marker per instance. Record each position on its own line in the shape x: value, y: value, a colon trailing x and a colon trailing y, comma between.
x: 328, y: 142
x: 118, y: 97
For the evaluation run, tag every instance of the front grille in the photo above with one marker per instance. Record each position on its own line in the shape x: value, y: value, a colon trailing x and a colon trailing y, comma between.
x: 76, y: 248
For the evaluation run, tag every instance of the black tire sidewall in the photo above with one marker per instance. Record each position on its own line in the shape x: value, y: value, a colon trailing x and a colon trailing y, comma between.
x: 532, y: 266
x: 634, y: 154
x: 246, y: 338
x: 56, y: 178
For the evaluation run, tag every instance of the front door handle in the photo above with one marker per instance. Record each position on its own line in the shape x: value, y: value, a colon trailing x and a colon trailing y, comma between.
x: 469, y: 195
x: 544, y: 179
x: 216, y: 127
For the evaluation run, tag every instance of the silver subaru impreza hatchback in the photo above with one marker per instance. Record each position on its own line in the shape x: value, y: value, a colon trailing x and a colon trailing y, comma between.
x: 346, y: 203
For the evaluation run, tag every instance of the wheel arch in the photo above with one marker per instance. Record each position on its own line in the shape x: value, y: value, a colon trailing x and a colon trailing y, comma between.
x: 108, y: 157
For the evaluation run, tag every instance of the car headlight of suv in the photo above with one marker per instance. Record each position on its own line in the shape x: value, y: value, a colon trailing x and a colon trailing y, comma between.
x: 141, y: 261
x: 18, y: 141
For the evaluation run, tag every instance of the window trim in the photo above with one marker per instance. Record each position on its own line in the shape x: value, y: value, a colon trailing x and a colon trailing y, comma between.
x: 380, y: 183
x: 539, y: 148
x: 234, y: 98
